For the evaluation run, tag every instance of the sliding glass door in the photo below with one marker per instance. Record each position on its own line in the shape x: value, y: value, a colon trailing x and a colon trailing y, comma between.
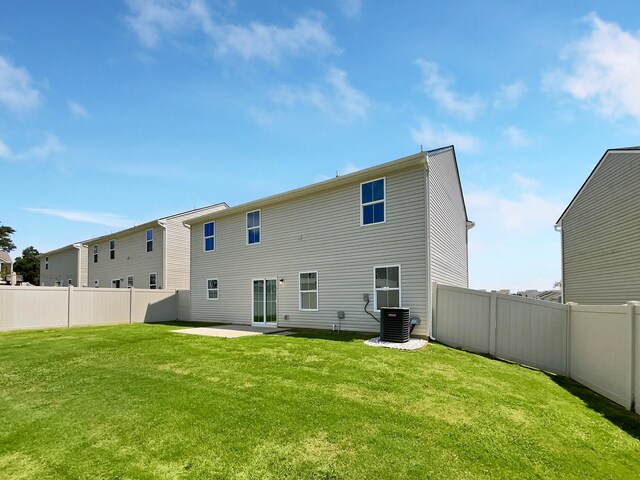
x: 264, y: 302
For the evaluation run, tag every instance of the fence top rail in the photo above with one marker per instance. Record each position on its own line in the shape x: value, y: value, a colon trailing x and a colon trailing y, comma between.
x: 533, y: 301
x: 451, y: 288
x: 611, y: 309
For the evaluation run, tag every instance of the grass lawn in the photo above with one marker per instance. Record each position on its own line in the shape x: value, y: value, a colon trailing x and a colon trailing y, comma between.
x: 136, y: 401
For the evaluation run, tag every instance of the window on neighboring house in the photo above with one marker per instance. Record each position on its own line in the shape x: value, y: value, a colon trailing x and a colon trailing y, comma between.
x: 209, y: 232
x: 309, y: 291
x: 56, y: 283
x: 96, y: 283
x: 112, y: 249
x: 372, y: 202
x: 212, y: 288
x: 253, y: 227
x: 153, y: 281
x: 386, y: 286
x: 150, y: 240
x: 130, y: 281
x: 46, y: 263
x: 95, y: 254
x: 69, y: 282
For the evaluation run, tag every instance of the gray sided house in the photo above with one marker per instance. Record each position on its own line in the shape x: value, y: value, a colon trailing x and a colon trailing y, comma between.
x: 153, y: 255
x: 600, y: 231
x: 64, y: 266
x: 312, y: 256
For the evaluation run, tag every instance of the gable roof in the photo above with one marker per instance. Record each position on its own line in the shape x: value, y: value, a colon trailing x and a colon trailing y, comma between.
x: 5, y: 257
x: 591, y: 175
x: 381, y: 169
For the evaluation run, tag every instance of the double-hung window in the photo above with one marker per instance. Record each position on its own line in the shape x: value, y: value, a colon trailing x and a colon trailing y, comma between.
x: 309, y: 291
x: 212, y: 288
x: 386, y: 286
x: 253, y: 227
x: 112, y: 249
x: 150, y: 240
x: 46, y: 263
x: 95, y: 254
x: 209, y: 232
x: 153, y: 281
x: 372, y: 202
x: 130, y: 281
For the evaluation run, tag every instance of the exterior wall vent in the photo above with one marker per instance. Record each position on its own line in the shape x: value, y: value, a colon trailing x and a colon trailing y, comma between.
x: 394, y: 325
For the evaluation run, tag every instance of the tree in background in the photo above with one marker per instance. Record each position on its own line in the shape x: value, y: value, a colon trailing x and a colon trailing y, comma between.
x: 6, y: 243
x: 28, y: 265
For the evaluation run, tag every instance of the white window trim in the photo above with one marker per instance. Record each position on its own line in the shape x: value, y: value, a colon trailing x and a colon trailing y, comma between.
x: 259, y: 227
x: 96, y: 283
x: 375, y: 297
x: 156, y: 284
x: 217, y: 289
x: 112, y: 249
x: 132, y: 281
x: 317, y: 290
x: 204, y: 238
x: 384, y: 201
x: 95, y: 254
x: 147, y: 240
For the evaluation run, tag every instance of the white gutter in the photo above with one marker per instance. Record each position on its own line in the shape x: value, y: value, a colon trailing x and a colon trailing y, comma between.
x: 78, y: 246
x: 164, y: 254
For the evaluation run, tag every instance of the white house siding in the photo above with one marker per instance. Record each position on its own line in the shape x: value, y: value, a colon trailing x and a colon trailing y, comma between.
x: 448, y: 230
x: 601, y: 235
x: 131, y: 258
x: 63, y: 266
x: 319, y: 232
x: 178, y: 247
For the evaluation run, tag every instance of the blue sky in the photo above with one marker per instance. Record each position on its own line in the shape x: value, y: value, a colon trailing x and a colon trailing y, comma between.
x: 124, y: 111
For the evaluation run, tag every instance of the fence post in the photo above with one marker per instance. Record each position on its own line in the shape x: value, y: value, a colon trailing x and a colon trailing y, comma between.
x: 493, y: 323
x: 632, y: 320
x: 69, y: 300
x: 568, y: 347
x: 434, y: 309
x: 130, y: 303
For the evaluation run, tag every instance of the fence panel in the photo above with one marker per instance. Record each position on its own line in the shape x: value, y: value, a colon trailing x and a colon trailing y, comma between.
x: 462, y: 318
x: 600, y: 352
x: 150, y: 306
x: 184, y: 305
x: 532, y: 332
x: 99, y: 306
x: 33, y: 307
x: 637, y: 359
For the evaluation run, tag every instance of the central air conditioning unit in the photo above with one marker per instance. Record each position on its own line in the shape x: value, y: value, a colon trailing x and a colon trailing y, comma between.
x: 395, y: 325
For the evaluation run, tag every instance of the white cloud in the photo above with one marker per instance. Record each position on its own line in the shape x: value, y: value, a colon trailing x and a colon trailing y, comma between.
x: 271, y: 43
x: 509, y: 95
x: 350, y: 8
x: 16, y: 90
x: 439, y: 136
x: 602, y: 70
x: 335, y: 97
x: 524, y: 182
x: 78, y: 110
x: 526, y: 214
x: 50, y: 146
x: 347, y: 169
x: 150, y: 19
x: 439, y: 89
x: 107, y: 219
x: 516, y: 137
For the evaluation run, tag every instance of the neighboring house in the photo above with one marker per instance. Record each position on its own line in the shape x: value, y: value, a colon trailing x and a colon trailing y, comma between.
x: 64, y: 266
x: 153, y: 255
x: 601, y: 233
x: 6, y: 266
x: 312, y: 256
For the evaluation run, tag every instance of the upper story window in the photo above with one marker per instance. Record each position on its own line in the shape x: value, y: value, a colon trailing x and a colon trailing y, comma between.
x: 95, y: 254
x: 209, y: 232
x: 386, y: 286
x: 112, y: 249
x: 309, y: 291
x: 253, y: 227
x: 46, y: 263
x: 150, y: 240
x: 372, y: 195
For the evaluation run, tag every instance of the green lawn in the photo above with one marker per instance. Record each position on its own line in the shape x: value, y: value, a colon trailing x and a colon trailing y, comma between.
x: 140, y: 402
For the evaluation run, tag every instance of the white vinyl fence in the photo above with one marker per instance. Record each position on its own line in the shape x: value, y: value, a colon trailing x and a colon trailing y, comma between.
x: 48, y: 307
x: 598, y: 346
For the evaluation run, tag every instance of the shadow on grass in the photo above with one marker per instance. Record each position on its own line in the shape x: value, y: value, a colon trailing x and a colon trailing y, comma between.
x: 184, y: 323
x: 616, y: 414
x: 329, y: 335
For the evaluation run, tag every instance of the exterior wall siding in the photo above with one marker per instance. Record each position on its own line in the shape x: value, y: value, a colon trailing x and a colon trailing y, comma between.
x: 601, y: 235
x: 318, y: 232
x: 131, y: 258
x: 448, y: 230
x: 63, y: 266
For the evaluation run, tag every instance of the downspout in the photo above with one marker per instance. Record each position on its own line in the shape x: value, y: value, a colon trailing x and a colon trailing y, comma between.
x: 78, y: 247
x: 558, y: 228
x: 164, y: 253
x: 428, y: 249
